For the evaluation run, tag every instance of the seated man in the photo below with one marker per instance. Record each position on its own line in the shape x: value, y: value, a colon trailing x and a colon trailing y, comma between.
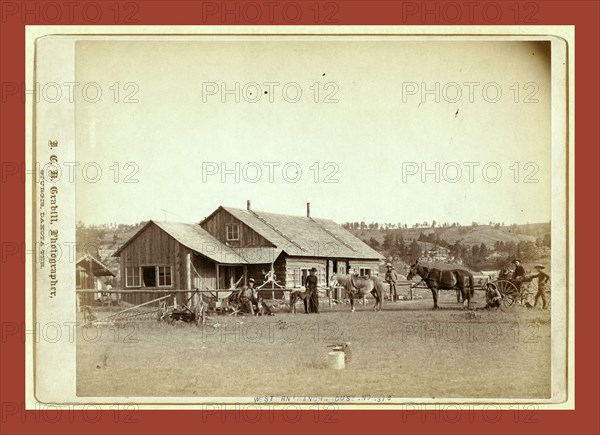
x: 248, y: 297
x: 518, y: 275
x: 493, y: 297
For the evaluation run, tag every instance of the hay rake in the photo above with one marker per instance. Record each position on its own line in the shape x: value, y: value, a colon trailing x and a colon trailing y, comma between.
x: 131, y: 314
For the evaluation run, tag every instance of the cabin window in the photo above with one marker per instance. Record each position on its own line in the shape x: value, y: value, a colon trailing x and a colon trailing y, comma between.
x: 164, y: 276
x: 232, y: 232
x: 297, y: 278
x: 132, y: 277
x: 364, y: 271
x: 300, y: 275
x: 149, y: 276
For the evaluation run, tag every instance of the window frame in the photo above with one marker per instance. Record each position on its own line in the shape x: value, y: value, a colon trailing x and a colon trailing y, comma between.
x: 362, y: 270
x: 231, y: 227
x: 139, y: 276
x: 159, y: 276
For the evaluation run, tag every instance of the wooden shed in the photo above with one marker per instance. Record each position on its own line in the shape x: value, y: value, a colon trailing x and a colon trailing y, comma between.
x: 89, y: 270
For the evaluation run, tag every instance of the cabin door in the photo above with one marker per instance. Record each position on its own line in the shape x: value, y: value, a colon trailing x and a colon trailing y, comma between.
x: 229, y: 276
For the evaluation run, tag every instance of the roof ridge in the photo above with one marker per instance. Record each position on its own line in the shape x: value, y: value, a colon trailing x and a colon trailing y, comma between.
x: 332, y: 235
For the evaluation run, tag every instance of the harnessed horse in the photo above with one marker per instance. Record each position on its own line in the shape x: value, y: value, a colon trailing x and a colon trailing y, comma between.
x: 438, y: 279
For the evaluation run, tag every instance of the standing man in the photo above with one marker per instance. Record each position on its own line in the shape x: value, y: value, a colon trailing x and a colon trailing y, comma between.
x: 391, y: 277
x: 312, y: 295
x: 248, y: 296
x: 543, y: 283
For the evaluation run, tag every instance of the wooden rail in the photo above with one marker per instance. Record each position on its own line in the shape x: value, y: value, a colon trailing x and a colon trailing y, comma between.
x: 171, y: 291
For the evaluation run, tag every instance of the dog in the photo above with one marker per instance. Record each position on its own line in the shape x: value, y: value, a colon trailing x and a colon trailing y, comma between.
x: 262, y: 309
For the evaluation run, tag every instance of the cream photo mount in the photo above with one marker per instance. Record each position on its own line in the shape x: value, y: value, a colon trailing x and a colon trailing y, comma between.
x: 54, y: 197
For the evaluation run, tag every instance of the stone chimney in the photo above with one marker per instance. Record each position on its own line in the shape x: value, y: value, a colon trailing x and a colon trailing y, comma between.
x: 308, y: 209
x: 248, y: 205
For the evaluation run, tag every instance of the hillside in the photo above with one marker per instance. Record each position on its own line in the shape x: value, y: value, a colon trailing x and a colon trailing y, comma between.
x: 468, y: 235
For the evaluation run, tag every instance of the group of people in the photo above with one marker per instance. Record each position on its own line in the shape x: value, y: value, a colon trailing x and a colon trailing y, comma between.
x: 494, y: 298
x: 249, y: 299
x: 251, y: 303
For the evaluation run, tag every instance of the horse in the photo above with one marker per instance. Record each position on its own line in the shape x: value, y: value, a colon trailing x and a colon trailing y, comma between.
x: 437, y: 279
x: 359, y: 286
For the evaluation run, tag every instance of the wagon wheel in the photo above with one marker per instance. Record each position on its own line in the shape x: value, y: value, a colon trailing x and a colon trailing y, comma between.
x: 509, y: 292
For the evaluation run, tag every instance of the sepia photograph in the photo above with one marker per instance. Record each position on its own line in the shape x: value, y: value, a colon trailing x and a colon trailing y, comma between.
x: 360, y: 220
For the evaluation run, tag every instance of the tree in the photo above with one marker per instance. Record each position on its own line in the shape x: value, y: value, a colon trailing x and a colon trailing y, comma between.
x: 483, y: 250
x: 373, y: 243
x: 414, y: 250
x: 475, y: 250
x: 388, y: 241
x: 400, y: 247
x: 546, y: 240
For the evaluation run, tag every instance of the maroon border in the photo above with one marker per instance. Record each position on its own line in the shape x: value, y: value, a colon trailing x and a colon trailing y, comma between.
x: 16, y: 14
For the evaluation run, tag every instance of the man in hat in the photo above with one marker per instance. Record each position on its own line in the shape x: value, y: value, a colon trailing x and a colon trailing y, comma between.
x: 493, y: 297
x: 391, y: 277
x: 311, y: 301
x: 543, y: 284
x: 248, y: 296
x: 519, y: 272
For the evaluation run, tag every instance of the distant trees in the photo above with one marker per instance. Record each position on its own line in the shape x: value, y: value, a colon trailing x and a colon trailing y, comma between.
x: 546, y: 241
x: 397, y: 240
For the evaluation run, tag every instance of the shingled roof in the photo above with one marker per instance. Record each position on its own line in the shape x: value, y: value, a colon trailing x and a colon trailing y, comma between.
x: 295, y: 235
x: 304, y: 236
x: 90, y: 264
x: 196, y: 238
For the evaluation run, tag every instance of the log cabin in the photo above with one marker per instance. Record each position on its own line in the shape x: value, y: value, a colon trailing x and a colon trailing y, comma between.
x: 233, y: 245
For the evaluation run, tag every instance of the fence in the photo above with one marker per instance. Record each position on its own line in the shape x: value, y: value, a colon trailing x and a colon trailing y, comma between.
x: 108, y: 297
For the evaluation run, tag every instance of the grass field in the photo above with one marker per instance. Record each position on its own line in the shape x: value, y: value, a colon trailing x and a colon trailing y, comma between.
x: 407, y: 350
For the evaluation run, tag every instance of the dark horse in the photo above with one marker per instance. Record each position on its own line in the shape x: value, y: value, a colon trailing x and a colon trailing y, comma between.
x: 438, y: 279
x: 358, y: 286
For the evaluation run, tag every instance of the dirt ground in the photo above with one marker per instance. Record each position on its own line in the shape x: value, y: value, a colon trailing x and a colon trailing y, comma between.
x: 405, y: 351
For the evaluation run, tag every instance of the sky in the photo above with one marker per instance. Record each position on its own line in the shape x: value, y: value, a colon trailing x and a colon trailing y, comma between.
x: 371, y: 117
